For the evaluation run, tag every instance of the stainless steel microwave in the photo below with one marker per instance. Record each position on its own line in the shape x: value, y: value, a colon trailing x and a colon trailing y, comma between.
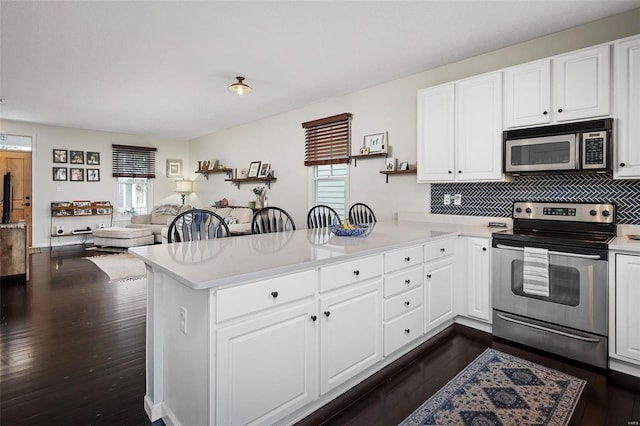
x: 579, y: 146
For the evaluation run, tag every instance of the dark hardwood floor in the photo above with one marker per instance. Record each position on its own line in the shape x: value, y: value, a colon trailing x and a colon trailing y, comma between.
x: 72, y: 351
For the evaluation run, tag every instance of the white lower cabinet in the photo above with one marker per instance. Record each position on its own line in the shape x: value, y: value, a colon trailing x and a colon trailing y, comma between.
x: 265, y: 366
x: 350, y: 332
x: 438, y: 293
x: 627, y: 297
x: 477, y: 278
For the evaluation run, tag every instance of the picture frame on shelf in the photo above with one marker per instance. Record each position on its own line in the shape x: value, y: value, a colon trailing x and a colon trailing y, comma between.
x: 254, y: 168
x: 390, y: 164
x: 93, y: 175
x: 404, y: 165
x: 376, y: 142
x: 76, y: 174
x: 93, y: 158
x: 243, y: 173
x: 60, y: 156
x: 59, y: 173
x: 264, y: 169
x: 76, y: 157
x: 174, y: 168
x: 364, y: 150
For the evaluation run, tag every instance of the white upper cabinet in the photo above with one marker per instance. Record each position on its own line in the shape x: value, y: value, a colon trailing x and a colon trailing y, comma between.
x: 627, y: 131
x: 579, y: 88
x: 460, y: 130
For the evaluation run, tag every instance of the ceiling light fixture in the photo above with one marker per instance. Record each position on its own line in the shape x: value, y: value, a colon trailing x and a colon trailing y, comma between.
x: 239, y: 87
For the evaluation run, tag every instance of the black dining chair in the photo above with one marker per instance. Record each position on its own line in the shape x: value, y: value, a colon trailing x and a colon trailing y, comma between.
x: 321, y: 216
x: 361, y: 214
x: 271, y: 219
x: 197, y: 224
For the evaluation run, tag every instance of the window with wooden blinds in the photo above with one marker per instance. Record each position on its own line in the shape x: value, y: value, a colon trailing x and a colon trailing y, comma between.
x: 134, y: 161
x: 328, y: 140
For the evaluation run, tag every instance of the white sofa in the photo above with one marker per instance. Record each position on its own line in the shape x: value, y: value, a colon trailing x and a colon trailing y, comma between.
x: 238, y: 220
x: 159, y: 218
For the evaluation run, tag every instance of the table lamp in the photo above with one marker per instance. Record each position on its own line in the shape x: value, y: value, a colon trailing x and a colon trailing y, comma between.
x: 184, y: 187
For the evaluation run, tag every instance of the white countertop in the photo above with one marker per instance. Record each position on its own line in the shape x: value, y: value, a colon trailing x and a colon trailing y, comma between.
x: 624, y: 243
x: 212, y: 263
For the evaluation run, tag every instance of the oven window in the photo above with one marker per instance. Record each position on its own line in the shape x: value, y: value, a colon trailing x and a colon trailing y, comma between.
x: 564, y: 284
x: 541, y: 153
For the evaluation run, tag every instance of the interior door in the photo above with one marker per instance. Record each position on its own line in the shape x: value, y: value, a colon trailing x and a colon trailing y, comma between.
x: 19, y: 164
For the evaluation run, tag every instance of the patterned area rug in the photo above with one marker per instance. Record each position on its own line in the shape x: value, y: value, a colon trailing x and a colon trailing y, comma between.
x: 500, y: 389
x: 120, y: 267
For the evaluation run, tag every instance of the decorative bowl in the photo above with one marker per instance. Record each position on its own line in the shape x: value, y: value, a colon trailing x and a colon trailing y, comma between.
x: 346, y: 232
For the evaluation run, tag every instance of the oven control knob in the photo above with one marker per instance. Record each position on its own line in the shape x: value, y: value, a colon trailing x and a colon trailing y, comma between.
x: 593, y: 212
x: 518, y: 209
x: 605, y: 213
x: 528, y: 210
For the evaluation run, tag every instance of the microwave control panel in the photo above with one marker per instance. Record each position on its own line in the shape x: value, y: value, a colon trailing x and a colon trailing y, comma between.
x: 594, y: 150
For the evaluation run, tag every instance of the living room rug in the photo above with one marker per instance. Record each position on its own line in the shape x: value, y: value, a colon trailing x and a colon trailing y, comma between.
x: 501, y: 389
x: 120, y: 267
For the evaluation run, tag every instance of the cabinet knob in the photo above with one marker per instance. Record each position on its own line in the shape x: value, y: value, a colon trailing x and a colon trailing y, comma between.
x: 443, y: 249
x: 407, y: 281
x: 459, y: 171
x: 407, y: 259
x: 428, y: 275
x: 407, y: 330
x: 327, y: 313
x: 449, y: 172
x: 314, y: 318
x: 407, y: 303
x: 545, y: 112
x: 356, y: 272
x: 559, y: 109
x: 622, y: 164
x: 484, y: 249
x: 274, y: 294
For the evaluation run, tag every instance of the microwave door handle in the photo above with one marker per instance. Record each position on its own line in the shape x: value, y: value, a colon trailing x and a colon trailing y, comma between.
x: 557, y: 253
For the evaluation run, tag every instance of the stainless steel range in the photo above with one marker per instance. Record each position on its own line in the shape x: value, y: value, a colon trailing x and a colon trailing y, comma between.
x: 550, y: 278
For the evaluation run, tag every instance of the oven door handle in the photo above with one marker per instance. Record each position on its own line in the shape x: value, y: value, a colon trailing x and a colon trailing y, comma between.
x: 558, y: 253
x: 548, y: 330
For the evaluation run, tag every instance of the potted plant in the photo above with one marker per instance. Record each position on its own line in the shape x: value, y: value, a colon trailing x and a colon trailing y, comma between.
x: 260, y: 192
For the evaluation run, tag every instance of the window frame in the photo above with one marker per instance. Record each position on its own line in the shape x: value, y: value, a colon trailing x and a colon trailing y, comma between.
x: 313, y: 189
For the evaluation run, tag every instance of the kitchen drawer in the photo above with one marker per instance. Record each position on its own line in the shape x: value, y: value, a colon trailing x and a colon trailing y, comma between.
x: 402, y: 281
x: 402, y: 330
x: 247, y: 298
x: 438, y: 249
x: 402, y: 303
x: 353, y: 271
x: 402, y: 258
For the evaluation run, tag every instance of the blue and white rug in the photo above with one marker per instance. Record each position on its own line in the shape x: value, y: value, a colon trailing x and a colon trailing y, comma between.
x: 501, y: 389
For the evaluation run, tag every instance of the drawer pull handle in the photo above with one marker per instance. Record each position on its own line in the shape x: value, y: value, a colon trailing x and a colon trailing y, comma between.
x: 274, y: 294
x: 428, y: 275
x: 407, y: 282
x: 356, y: 272
x: 314, y: 318
x: 407, y: 330
x: 407, y: 259
x: 327, y: 313
x: 407, y: 303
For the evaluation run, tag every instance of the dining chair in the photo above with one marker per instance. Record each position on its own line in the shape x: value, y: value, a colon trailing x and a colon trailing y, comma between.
x: 271, y: 219
x: 197, y: 224
x: 321, y: 216
x: 361, y: 214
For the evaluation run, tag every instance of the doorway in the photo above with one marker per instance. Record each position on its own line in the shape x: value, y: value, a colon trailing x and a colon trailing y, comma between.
x: 15, y: 157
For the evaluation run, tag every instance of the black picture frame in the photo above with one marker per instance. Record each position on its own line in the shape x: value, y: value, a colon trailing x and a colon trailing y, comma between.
x: 93, y: 175
x: 76, y: 157
x: 60, y: 156
x: 93, y: 158
x: 59, y: 173
x: 254, y: 168
x: 76, y: 174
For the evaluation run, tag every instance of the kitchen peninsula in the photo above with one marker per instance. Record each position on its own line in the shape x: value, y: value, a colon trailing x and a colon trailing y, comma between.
x: 268, y: 328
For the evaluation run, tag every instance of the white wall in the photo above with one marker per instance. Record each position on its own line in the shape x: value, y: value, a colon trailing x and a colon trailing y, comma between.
x: 388, y: 107
x: 45, y: 190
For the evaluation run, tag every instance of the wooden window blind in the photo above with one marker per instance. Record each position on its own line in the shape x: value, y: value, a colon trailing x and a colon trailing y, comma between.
x: 328, y: 140
x: 134, y: 161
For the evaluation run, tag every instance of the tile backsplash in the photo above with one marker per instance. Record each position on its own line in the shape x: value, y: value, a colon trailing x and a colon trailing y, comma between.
x: 496, y: 198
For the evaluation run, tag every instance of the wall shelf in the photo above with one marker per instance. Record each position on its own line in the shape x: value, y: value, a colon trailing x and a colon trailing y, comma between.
x: 397, y: 172
x: 206, y: 173
x: 365, y: 156
x: 237, y: 182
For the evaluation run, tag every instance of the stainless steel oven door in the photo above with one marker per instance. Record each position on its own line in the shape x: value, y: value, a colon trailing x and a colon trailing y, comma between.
x: 541, y: 153
x: 578, y: 286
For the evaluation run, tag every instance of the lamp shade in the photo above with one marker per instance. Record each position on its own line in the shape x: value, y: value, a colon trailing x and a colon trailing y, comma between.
x: 184, y: 186
x: 240, y: 87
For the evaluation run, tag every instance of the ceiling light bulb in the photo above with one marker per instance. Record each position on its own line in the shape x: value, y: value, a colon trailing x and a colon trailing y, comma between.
x: 239, y: 87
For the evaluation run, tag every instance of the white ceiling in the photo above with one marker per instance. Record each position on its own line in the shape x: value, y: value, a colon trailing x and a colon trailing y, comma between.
x: 162, y: 67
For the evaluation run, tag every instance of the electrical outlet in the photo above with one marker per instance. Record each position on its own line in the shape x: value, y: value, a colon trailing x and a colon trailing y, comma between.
x: 447, y: 199
x: 183, y: 319
x: 457, y: 199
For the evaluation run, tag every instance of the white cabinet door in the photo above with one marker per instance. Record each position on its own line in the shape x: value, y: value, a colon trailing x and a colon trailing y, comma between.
x: 350, y: 333
x: 478, y: 128
x: 438, y: 293
x: 627, y: 312
x: 266, y: 366
x: 582, y: 85
x: 627, y: 84
x: 435, y: 133
x: 478, y: 280
x: 528, y: 94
